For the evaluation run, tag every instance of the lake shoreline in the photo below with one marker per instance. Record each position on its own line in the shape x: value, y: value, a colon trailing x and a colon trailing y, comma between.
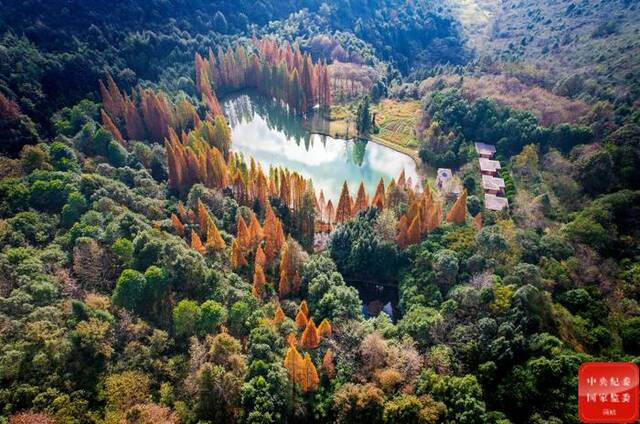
x: 267, y: 132
x: 379, y: 141
x: 408, y: 152
x: 307, y: 124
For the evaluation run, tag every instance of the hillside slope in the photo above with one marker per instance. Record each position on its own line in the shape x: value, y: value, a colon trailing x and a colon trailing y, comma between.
x: 598, y: 39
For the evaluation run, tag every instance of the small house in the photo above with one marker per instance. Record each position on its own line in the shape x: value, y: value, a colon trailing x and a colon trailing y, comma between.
x: 495, y: 203
x: 446, y: 183
x: 489, y: 167
x: 485, y: 150
x: 492, y: 185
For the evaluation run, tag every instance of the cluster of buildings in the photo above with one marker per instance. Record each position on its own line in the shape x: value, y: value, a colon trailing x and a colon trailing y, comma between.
x: 492, y: 184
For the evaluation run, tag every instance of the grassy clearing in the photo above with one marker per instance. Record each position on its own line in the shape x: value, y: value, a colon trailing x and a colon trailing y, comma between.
x: 397, y: 121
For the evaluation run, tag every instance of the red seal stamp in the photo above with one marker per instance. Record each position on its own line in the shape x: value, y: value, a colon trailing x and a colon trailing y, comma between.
x: 608, y: 392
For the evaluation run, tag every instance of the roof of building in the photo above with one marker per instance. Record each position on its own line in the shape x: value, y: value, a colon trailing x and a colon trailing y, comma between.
x: 444, y: 173
x: 495, y: 203
x: 445, y: 181
x: 488, y: 165
x: 492, y: 183
x: 484, y: 149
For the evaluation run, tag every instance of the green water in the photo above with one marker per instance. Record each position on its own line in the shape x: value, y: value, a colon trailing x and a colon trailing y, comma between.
x: 262, y: 129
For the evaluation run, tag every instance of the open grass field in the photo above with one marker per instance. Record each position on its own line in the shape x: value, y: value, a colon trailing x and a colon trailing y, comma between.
x: 396, y: 120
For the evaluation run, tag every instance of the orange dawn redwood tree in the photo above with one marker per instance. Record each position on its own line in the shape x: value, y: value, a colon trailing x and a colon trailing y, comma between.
x: 310, y: 337
x: 310, y: 379
x: 292, y: 340
x: 273, y: 236
x: 379, y: 197
x: 279, y: 316
x: 181, y: 210
x: 414, y: 232
x: 330, y: 211
x: 259, y: 281
x: 301, y: 320
x: 343, y: 211
x: 177, y: 225
x: 108, y: 124
x: 324, y: 329
x: 275, y: 69
x: 285, y: 277
x: 458, y: 211
x: 260, y: 258
x: 304, y: 307
x: 361, y: 199
x: 214, y: 239
x: 203, y: 216
x: 284, y: 287
x: 196, y: 243
x: 237, y: 258
x: 255, y: 232
x: 295, y: 364
x: 242, y: 235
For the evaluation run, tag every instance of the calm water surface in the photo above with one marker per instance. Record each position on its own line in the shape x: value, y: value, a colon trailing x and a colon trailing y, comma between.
x: 264, y: 130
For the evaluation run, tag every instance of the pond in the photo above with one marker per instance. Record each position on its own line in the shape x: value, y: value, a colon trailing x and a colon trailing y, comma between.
x: 264, y: 130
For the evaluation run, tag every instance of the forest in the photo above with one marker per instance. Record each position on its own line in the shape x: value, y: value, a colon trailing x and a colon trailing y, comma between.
x: 152, y: 272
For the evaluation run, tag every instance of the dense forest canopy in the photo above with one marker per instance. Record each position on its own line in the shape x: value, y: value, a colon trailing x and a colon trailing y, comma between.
x: 152, y: 273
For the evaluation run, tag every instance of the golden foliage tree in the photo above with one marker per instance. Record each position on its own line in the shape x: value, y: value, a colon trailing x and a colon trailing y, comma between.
x: 285, y: 276
x: 260, y: 258
x: 108, y: 124
x: 242, y: 235
x: 203, y: 216
x: 310, y: 337
x: 423, y: 215
x: 259, y: 281
x: 292, y: 340
x: 255, y: 232
x: 295, y: 364
x: 414, y: 232
x: 310, y: 379
x: 401, y: 239
x: 297, y: 282
x: 330, y: 212
x: 361, y: 199
x: 284, y: 288
x: 280, y: 238
x: 279, y: 316
x: 196, y: 243
x: 237, y: 258
x: 304, y: 307
x: 458, y: 211
x: 324, y: 329
x: 273, y: 237
x: 343, y: 211
x: 182, y: 211
x: 133, y: 122
x: 214, y: 239
x: 301, y: 320
x: 379, y: 197
x: 177, y: 225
